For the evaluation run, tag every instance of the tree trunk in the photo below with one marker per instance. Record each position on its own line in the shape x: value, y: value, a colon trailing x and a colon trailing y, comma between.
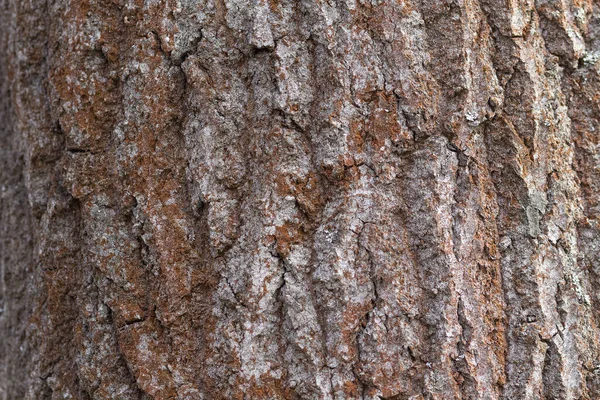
x: 300, y: 199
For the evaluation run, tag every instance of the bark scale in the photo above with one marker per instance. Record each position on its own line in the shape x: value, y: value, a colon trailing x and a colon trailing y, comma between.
x: 230, y: 199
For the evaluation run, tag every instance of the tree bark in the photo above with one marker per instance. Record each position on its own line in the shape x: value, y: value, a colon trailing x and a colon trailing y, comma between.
x: 300, y: 199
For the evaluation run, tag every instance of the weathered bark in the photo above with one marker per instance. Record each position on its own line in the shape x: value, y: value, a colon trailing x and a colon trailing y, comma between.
x: 300, y: 199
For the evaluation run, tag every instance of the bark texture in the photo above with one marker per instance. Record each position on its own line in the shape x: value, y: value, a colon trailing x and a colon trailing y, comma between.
x: 300, y: 199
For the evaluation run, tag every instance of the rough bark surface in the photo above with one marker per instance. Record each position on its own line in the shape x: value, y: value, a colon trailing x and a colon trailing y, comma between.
x: 300, y: 199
